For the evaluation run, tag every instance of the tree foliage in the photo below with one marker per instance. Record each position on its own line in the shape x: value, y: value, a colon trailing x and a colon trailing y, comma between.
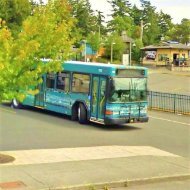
x: 14, y: 12
x: 94, y: 40
x: 181, y: 32
x: 121, y: 19
x: 100, y: 23
x: 45, y: 34
x: 116, y: 42
x: 86, y: 21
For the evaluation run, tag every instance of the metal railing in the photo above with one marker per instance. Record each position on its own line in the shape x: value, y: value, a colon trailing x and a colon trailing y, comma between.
x: 175, y: 103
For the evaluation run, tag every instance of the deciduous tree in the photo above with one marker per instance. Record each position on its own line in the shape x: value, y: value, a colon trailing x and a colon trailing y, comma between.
x: 14, y: 12
x: 45, y: 34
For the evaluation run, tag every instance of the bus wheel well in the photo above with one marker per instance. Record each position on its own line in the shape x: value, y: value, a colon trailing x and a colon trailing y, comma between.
x: 16, y: 104
x: 82, y: 114
x: 74, y: 113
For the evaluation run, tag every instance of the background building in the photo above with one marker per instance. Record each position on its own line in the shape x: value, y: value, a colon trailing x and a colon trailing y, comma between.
x: 166, y: 53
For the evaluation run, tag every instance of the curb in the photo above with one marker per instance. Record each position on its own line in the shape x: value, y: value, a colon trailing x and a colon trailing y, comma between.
x: 124, y: 183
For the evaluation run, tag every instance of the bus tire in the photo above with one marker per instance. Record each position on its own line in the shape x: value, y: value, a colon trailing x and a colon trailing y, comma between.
x: 82, y: 114
x: 16, y: 104
x: 74, y: 115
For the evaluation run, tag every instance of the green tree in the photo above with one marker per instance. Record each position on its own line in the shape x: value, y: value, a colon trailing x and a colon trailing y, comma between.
x: 120, y: 7
x: 136, y: 14
x: 86, y: 21
x: 165, y: 23
x: 116, y: 42
x: 14, y: 12
x: 121, y: 17
x: 136, y: 52
x: 150, y: 27
x: 100, y: 23
x: 94, y: 40
x: 181, y: 32
x: 45, y: 34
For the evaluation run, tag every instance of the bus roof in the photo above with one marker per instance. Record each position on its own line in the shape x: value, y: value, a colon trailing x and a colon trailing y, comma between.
x: 97, y: 68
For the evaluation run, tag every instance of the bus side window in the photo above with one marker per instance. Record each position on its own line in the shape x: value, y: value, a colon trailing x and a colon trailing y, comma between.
x: 62, y: 81
x: 80, y: 83
x: 50, y: 80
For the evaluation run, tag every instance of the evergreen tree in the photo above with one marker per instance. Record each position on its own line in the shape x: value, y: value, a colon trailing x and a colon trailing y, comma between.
x: 101, y: 23
x: 149, y: 23
x: 121, y: 17
x: 165, y: 23
x: 86, y: 21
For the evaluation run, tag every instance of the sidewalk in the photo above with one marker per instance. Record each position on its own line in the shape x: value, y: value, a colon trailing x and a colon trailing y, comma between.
x: 85, y: 172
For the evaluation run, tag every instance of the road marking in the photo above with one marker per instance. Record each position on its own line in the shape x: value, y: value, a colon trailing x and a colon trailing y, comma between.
x: 169, y: 120
x: 6, y: 110
x: 39, y: 156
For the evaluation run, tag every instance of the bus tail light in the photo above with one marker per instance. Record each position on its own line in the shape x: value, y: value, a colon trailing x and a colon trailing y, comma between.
x: 109, y: 112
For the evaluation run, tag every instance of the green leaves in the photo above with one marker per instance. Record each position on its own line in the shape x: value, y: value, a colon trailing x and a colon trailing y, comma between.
x: 117, y: 44
x: 45, y: 34
x: 181, y: 32
x: 14, y: 12
x: 121, y: 17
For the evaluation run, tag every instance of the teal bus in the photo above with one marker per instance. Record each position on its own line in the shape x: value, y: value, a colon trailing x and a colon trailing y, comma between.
x: 103, y: 93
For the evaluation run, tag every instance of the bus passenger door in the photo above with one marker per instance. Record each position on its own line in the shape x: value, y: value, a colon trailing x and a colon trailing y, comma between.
x: 98, y: 97
x: 40, y: 97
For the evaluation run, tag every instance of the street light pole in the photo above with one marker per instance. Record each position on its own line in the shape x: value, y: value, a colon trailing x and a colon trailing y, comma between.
x: 112, y: 51
x: 131, y: 52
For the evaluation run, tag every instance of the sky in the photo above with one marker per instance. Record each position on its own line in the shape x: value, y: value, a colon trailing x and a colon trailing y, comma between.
x: 177, y: 9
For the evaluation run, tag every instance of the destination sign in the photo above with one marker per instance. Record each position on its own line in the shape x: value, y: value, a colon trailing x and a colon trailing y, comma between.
x: 130, y: 73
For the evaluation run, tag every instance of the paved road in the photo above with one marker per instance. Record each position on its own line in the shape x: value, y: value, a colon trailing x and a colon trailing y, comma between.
x: 171, y: 82
x: 36, y: 129
x: 52, y: 151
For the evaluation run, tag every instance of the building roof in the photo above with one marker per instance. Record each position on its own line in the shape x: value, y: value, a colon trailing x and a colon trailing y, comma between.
x: 166, y: 45
x: 126, y: 38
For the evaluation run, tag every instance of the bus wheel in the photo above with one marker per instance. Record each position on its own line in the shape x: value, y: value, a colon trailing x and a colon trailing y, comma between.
x: 16, y: 104
x: 82, y: 114
x: 74, y: 115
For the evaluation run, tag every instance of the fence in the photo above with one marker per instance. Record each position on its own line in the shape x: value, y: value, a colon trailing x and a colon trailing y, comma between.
x: 175, y: 103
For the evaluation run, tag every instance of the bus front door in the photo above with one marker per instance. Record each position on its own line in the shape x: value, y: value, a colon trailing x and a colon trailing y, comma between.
x: 40, y: 97
x: 98, y: 98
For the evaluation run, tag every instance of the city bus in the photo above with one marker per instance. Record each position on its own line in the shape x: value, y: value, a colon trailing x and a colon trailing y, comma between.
x: 103, y: 93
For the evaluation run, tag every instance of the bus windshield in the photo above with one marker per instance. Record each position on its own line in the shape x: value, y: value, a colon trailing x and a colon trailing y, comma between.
x: 128, y: 90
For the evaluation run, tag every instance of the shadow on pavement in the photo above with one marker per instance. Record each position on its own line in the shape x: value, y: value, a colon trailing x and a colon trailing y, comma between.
x: 127, y: 127
x: 124, y: 127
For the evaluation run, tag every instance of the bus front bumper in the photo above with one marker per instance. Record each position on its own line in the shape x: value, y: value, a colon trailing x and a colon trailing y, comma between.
x: 114, y: 121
